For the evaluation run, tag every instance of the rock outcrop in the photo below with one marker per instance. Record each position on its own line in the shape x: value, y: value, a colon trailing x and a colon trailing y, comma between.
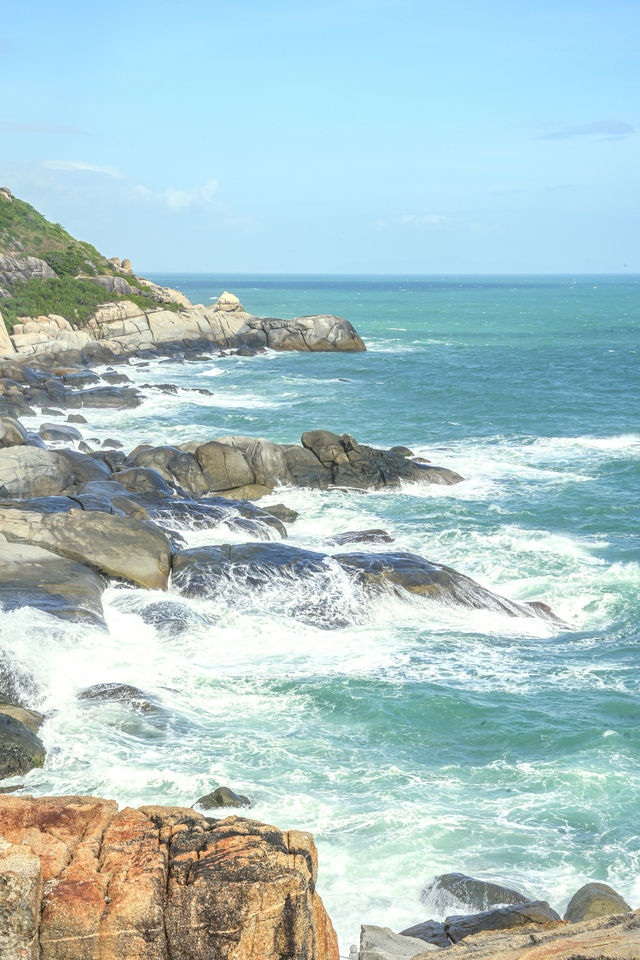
x: 594, y: 900
x: 123, y: 328
x: 86, y: 882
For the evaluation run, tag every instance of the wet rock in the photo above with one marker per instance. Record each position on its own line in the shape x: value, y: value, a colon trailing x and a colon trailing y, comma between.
x: 33, y: 577
x: 119, y: 693
x: 595, y: 900
x: 30, y: 718
x: 59, y: 432
x: 114, y: 444
x: 76, y: 418
x: 430, y: 931
x: 168, y: 882
x: 427, y: 579
x: 536, y: 913
x: 381, y: 943
x: 282, y: 512
x: 222, y: 797
x: 468, y: 892
x: 362, y: 536
x: 117, y: 546
x: 109, y: 397
x: 20, y: 749
x: 172, y: 617
x: 200, y: 570
x: 27, y: 471
x: 402, y: 451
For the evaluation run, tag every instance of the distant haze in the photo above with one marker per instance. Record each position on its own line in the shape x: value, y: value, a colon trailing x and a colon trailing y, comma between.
x: 330, y: 136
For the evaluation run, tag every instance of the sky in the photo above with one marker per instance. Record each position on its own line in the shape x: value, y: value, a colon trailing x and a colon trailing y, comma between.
x: 330, y: 136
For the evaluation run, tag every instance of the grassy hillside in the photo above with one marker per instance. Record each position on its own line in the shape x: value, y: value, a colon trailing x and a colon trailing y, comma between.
x: 24, y: 232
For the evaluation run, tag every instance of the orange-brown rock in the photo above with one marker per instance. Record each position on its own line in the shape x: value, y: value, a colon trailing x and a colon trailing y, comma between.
x: 608, y: 938
x: 164, y: 883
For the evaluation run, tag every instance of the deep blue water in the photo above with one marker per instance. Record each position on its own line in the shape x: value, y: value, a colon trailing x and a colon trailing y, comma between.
x: 421, y: 739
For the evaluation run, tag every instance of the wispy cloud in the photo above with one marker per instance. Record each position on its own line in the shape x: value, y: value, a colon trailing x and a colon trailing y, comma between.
x: 10, y: 126
x: 179, y: 200
x: 410, y: 220
x: 81, y: 166
x: 603, y: 129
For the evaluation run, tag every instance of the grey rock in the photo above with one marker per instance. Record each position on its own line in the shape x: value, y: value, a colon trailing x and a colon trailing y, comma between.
x: 362, y: 536
x: 468, y: 892
x: 20, y: 749
x: 381, y: 943
x: 125, y: 693
x: 536, y: 913
x: 32, y: 472
x: 595, y: 900
x: 224, y: 467
x: 222, y: 797
x: 117, y: 546
x: 431, y: 931
x: 12, y: 433
x: 59, y: 431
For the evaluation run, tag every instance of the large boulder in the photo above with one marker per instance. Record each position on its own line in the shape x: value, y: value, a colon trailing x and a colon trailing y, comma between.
x: 163, y: 882
x: 321, y: 332
x: 357, y: 465
x: 266, y: 459
x: 595, y: 900
x: 32, y: 472
x: 117, y: 546
x: 33, y: 577
x: 461, y: 891
x: 224, y: 466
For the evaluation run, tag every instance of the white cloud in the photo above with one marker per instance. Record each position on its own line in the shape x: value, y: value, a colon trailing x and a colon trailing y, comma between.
x: 80, y: 165
x: 603, y: 129
x: 179, y: 200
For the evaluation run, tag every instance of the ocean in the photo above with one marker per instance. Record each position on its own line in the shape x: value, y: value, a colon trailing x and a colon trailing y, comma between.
x: 420, y: 738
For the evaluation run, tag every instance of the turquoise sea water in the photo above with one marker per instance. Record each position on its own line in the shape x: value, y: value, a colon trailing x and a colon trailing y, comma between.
x: 420, y: 739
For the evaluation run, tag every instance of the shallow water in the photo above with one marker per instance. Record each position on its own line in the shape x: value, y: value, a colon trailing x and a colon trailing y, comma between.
x: 420, y: 738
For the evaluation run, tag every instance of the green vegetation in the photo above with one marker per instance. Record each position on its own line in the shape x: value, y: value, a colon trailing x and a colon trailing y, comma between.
x: 75, y: 300
x: 25, y: 232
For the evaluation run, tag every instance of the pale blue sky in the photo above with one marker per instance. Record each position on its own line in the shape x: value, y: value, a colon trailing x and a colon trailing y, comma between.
x: 364, y: 136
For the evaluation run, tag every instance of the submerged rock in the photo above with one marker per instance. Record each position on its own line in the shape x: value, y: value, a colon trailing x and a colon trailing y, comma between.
x: 222, y: 797
x: 362, y: 536
x: 119, y: 693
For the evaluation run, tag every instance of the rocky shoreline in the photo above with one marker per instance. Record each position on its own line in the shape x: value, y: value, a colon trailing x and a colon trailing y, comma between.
x: 77, y: 877
x: 80, y: 879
